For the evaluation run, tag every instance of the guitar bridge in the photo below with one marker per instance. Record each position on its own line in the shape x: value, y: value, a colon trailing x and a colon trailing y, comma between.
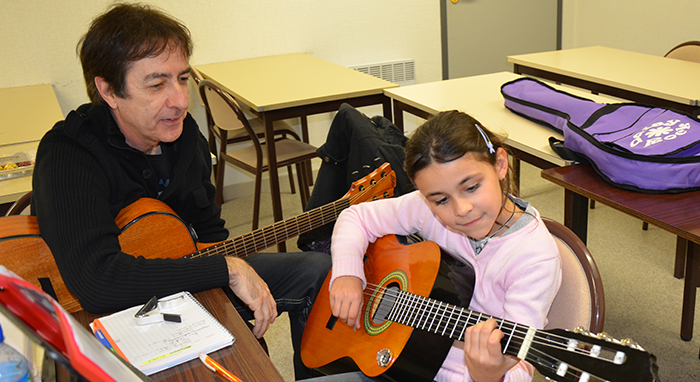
x: 383, y: 357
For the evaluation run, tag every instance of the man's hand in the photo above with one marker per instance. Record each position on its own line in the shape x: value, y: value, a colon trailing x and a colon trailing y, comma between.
x: 253, y: 291
x: 482, y: 352
x: 346, y: 300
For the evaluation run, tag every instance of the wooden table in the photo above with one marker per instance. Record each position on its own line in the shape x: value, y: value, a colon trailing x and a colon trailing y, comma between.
x: 480, y: 97
x: 294, y: 85
x: 653, y: 80
x: 26, y: 113
x: 675, y: 213
x: 245, y: 358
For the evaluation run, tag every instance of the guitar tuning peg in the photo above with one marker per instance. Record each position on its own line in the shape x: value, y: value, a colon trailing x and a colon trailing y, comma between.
x: 604, y: 336
x: 581, y: 330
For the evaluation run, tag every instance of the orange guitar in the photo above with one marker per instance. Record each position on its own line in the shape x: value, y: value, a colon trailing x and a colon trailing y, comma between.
x: 405, y: 336
x: 24, y: 252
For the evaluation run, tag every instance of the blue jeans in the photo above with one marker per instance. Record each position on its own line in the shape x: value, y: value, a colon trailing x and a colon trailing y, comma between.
x: 294, y: 280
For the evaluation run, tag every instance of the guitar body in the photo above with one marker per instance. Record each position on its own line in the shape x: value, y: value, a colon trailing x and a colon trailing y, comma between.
x: 146, y: 222
x: 24, y: 252
x: 328, y: 344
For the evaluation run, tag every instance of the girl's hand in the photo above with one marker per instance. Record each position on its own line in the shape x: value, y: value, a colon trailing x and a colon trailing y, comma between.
x: 482, y: 353
x: 346, y: 300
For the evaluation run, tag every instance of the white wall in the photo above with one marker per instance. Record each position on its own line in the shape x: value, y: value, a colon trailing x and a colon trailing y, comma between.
x: 645, y: 26
x: 38, y: 39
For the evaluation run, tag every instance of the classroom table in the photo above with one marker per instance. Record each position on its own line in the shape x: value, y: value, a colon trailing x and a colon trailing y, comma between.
x: 245, y: 358
x: 653, y: 80
x: 480, y: 96
x: 678, y: 214
x: 26, y: 113
x: 294, y: 85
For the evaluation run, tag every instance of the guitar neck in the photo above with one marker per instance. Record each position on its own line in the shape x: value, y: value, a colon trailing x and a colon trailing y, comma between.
x: 450, y: 320
x: 278, y: 232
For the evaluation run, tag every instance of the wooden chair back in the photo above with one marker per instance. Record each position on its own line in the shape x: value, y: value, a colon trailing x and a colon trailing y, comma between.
x: 687, y: 51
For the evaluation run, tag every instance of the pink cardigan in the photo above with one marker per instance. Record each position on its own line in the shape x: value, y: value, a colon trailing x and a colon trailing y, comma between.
x: 517, y: 275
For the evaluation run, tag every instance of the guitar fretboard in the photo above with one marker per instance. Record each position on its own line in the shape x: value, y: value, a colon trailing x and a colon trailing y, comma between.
x: 520, y: 341
x: 451, y: 321
x: 278, y: 232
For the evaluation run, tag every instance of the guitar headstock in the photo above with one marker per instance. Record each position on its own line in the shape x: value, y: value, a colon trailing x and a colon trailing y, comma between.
x: 379, y: 184
x: 578, y: 355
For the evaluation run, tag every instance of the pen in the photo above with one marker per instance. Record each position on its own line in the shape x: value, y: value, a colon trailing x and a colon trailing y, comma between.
x: 218, y: 369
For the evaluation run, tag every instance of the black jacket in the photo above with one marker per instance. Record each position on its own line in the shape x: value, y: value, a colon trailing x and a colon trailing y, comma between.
x: 355, y: 146
x: 85, y: 173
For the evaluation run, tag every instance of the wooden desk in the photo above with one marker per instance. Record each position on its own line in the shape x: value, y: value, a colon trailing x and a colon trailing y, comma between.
x: 639, y: 77
x: 480, y: 97
x: 675, y: 213
x: 245, y: 358
x: 26, y: 113
x: 294, y: 85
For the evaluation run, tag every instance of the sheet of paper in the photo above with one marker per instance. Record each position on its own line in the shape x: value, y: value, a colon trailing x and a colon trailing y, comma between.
x: 155, y: 347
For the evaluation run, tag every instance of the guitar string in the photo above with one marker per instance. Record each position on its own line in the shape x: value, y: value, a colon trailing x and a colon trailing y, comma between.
x: 421, y: 310
x: 530, y: 356
x: 316, y: 216
x: 259, y: 239
x: 572, y: 371
x: 424, y: 301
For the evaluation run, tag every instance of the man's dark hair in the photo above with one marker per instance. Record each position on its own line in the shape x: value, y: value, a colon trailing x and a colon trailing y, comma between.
x: 122, y: 36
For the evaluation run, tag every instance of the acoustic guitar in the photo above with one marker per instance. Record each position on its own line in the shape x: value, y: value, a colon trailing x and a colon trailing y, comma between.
x: 23, y: 251
x: 399, y: 322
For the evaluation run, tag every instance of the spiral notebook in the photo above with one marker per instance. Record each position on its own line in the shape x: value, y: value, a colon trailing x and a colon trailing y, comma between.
x: 157, y: 346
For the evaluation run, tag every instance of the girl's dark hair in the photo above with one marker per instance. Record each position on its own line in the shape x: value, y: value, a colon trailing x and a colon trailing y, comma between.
x: 448, y: 136
x: 122, y: 36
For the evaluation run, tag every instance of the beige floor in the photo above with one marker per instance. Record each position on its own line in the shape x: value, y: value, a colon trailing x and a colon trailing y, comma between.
x: 643, y: 299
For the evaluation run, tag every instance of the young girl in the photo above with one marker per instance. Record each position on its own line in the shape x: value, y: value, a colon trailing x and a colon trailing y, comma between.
x: 464, y: 204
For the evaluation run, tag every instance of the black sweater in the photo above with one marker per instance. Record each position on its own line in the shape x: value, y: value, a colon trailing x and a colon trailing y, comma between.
x: 85, y: 173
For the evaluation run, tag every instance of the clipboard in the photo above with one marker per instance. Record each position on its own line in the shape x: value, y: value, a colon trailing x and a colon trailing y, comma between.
x: 65, y: 341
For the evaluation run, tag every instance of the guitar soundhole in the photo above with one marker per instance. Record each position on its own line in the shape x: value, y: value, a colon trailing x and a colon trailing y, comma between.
x: 386, y: 303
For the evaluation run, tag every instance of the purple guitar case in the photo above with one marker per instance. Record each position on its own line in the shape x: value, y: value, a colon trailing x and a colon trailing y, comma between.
x: 632, y: 146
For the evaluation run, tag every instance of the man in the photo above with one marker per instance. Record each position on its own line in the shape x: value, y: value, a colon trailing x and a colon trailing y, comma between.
x: 134, y: 140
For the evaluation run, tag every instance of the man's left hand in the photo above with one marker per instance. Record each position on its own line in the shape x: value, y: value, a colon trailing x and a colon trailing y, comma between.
x: 253, y: 291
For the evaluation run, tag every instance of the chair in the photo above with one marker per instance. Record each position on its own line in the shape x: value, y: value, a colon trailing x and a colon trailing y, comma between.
x: 20, y: 206
x: 580, y: 300
x: 687, y: 51
x: 228, y: 116
x: 240, y: 135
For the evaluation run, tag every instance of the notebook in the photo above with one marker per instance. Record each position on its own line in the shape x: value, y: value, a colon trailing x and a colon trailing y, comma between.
x: 157, y: 346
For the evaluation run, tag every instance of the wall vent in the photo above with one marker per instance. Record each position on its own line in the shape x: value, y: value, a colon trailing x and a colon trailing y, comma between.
x: 402, y: 72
